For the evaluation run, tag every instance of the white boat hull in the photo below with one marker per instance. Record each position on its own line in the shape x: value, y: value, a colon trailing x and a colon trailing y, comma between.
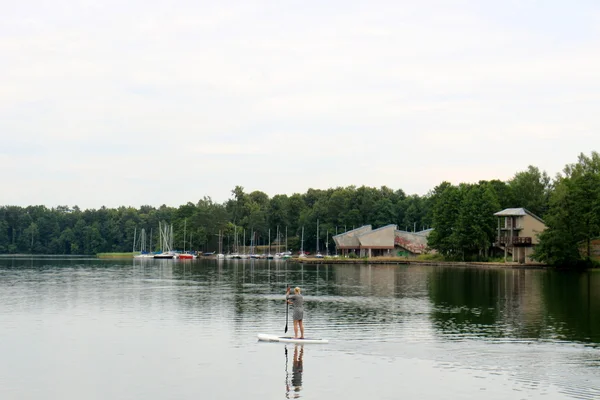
x: 287, y: 339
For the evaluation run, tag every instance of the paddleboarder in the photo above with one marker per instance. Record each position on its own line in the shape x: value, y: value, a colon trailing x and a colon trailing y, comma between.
x: 297, y: 300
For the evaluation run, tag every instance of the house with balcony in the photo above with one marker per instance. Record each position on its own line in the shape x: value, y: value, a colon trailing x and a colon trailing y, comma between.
x: 518, y: 231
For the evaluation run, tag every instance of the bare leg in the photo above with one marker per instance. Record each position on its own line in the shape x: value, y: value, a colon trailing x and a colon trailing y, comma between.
x: 301, y: 329
x: 296, y: 329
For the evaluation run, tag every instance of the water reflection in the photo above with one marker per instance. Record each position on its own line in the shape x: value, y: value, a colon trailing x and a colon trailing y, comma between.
x: 457, y: 302
x: 503, y: 330
x: 517, y: 304
x: 293, y: 384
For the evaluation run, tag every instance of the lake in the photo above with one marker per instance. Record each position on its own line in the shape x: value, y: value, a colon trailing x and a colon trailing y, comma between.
x: 164, y: 329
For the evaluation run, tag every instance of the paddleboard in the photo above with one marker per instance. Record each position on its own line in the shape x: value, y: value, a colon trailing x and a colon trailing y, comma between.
x: 288, y: 339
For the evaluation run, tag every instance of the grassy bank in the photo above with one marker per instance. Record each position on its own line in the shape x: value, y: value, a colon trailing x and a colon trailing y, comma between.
x: 116, y: 255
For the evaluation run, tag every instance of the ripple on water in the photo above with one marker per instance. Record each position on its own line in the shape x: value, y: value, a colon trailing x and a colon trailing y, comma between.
x: 377, y: 320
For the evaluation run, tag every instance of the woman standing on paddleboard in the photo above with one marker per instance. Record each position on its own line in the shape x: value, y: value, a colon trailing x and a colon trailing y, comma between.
x: 297, y: 300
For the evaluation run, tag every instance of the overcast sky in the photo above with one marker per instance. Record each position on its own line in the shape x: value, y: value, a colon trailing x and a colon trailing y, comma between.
x: 158, y: 102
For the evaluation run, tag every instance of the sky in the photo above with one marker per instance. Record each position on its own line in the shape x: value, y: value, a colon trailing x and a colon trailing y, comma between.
x: 129, y: 103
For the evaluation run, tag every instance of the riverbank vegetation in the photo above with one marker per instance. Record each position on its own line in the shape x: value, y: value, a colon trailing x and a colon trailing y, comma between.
x: 461, y: 215
x: 116, y: 255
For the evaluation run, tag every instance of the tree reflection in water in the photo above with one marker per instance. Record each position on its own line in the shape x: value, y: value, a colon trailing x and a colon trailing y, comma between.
x: 294, y: 385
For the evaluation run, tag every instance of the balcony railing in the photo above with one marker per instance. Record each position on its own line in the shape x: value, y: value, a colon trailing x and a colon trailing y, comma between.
x: 514, y: 241
x: 514, y: 228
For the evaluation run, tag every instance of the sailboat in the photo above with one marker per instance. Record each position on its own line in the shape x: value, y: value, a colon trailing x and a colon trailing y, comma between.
x: 269, y: 256
x: 166, y: 240
x: 142, y: 242
x: 278, y: 254
x: 244, y: 255
x: 286, y: 254
x: 236, y: 252
x: 318, y: 255
x: 184, y: 255
x: 253, y: 246
x: 220, y: 256
x: 302, y: 255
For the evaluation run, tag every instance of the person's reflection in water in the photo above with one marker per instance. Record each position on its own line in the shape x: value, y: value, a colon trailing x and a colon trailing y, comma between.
x: 293, y: 388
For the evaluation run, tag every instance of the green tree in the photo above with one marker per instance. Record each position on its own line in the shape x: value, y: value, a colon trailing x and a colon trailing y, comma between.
x: 474, y: 228
x: 4, y: 238
x: 573, y: 219
x: 414, y: 213
x: 531, y: 190
x: 446, y: 201
x: 384, y: 212
x: 503, y: 193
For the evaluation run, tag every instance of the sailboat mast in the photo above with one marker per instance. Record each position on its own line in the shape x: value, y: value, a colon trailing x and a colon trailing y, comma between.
x: 317, y: 236
x: 184, y: 227
x: 142, y: 241
x: 134, y: 232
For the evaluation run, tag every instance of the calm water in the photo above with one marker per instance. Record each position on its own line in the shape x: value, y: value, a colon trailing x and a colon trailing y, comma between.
x: 96, y: 329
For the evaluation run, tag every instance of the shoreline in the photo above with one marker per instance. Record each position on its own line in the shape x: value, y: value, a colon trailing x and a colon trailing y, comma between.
x: 320, y: 261
x: 374, y: 261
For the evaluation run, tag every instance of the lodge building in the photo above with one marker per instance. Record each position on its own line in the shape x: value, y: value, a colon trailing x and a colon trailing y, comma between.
x: 385, y: 241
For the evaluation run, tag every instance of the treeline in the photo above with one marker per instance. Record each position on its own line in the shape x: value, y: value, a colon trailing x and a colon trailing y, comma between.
x: 465, y: 227
x: 573, y: 218
x: 461, y: 215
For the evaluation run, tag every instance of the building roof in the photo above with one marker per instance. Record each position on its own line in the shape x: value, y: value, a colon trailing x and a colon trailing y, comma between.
x: 381, y: 237
x: 425, y: 232
x: 378, y: 229
x: 516, y: 212
x: 368, y: 237
x: 350, y: 239
x: 360, y: 228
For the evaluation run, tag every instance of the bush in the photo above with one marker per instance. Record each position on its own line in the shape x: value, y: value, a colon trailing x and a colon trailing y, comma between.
x: 431, y: 257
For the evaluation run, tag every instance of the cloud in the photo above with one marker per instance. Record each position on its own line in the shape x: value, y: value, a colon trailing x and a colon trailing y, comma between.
x: 210, y: 96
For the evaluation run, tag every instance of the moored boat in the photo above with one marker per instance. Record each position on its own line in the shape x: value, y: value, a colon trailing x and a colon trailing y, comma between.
x: 186, y: 256
x: 167, y: 255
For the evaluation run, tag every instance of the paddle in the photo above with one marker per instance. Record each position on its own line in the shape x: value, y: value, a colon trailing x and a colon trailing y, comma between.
x: 287, y: 307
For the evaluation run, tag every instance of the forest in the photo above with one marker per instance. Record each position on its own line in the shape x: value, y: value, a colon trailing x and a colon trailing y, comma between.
x: 461, y: 215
